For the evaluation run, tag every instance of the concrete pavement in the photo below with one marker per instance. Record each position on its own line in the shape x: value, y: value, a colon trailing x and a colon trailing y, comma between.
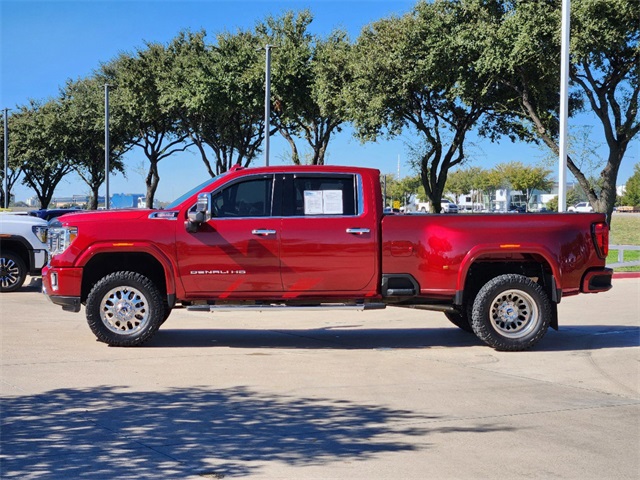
x: 391, y: 394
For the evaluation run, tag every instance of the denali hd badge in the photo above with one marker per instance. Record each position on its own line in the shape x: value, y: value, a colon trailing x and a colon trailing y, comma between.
x: 218, y: 272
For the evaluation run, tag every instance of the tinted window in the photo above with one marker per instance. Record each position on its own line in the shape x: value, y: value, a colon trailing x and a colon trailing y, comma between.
x: 251, y: 198
x: 324, y: 195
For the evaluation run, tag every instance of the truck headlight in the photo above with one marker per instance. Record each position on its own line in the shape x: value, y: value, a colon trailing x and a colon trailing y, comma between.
x: 60, y: 238
x: 40, y: 232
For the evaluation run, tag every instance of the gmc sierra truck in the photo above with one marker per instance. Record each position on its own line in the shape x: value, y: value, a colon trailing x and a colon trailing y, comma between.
x: 316, y: 237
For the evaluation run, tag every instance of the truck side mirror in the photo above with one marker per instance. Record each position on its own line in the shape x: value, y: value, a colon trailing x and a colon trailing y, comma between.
x: 201, y: 214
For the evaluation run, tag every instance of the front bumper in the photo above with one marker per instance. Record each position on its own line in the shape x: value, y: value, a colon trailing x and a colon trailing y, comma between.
x: 63, y: 286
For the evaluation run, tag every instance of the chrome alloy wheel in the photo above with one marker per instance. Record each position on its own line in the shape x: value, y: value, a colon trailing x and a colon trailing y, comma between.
x: 514, y: 313
x: 124, y: 310
x: 9, y: 272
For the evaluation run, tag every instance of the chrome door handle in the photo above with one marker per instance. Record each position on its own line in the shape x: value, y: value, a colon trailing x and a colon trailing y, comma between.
x: 358, y: 231
x: 263, y: 232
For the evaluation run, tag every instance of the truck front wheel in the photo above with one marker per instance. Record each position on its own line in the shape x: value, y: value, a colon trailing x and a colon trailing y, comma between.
x: 511, y: 312
x: 125, y: 309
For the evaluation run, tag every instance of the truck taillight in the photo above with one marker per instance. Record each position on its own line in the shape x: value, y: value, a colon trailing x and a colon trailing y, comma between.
x: 600, y: 233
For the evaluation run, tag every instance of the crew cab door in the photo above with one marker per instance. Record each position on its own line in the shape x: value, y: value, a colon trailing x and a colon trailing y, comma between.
x: 237, y: 250
x: 328, y: 236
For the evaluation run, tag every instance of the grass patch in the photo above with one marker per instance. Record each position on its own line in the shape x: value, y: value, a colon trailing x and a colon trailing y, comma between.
x: 629, y: 256
x: 625, y: 230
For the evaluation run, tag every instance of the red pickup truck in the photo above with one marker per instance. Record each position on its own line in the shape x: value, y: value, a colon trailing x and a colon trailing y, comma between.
x: 316, y: 237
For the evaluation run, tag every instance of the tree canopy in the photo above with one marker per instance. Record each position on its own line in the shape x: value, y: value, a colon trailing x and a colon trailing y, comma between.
x: 441, y: 71
x: 632, y: 188
x: 521, y: 45
x: 36, y: 149
x: 83, y: 139
x: 417, y: 72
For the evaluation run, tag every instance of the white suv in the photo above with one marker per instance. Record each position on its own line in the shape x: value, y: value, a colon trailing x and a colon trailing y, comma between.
x: 23, y: 249
x: 448, y: 207
x: 582, y: 207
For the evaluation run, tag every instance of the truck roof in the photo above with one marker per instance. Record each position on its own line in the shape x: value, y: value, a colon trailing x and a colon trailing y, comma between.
x: 306, y: 169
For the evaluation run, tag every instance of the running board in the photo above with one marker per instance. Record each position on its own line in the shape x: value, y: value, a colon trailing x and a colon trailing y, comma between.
x: 279, y: 306
x: 430, y: 307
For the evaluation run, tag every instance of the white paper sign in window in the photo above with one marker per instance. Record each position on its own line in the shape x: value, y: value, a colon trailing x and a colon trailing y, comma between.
x: 332, y: 202
x: 323, y: 202
x: 313, y: 202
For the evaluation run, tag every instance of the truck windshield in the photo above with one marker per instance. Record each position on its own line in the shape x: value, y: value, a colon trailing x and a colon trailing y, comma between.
x: 193, y: 191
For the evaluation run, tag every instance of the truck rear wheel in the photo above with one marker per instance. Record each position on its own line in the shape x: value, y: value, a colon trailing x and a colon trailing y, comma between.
x: 13, y: 272
x: 125, y: 309
x: 511, y: 312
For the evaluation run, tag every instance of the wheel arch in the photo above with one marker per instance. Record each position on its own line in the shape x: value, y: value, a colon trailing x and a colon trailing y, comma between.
x: 21, y: 247
x: 483, y: 263
x: 100, y: 264
x: 14, y: 246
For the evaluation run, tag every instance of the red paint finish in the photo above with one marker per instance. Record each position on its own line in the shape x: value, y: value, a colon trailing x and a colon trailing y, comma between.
x: 288, y: 253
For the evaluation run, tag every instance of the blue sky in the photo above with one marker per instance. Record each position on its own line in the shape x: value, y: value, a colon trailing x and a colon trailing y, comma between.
x: 43, y: 43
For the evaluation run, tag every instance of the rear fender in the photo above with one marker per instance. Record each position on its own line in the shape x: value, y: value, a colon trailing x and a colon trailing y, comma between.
x: 504, y: 252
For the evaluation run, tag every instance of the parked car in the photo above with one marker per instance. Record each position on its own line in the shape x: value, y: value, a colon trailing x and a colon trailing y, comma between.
x: 517, y: 209
x: 48, y: 214
x: 448, y: 206
x: 582, y: 207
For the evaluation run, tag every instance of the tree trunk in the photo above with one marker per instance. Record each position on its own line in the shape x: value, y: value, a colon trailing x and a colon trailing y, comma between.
x: 93, y: 200
x: 295, y: 156
x: 153, y: 178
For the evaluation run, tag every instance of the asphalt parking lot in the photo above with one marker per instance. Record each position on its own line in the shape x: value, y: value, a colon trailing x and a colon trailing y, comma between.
x: 391, y: 394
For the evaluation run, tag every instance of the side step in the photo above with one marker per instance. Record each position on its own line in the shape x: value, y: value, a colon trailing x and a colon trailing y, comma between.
x: 279, y: 306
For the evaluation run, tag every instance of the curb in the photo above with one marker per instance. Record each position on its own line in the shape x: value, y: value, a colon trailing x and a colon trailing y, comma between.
x: 626, y: 274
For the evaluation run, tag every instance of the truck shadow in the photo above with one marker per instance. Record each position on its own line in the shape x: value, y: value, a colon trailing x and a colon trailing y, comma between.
x: 114, y: 432
x: 354, y: 338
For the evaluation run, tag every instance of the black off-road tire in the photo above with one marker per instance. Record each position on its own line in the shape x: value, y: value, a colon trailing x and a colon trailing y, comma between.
x: 511, y: 313
x: 13, y: 271
x: 125, y: 309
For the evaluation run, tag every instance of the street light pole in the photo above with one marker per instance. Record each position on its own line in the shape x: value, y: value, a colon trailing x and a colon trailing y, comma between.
x: 107, y: 147
x: 564, y: 104
x: 6, y: 158
x: 267, y: 102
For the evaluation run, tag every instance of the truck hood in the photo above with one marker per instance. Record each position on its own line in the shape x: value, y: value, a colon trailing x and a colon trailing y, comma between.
x: 19, y: 219
x: 102, y: 216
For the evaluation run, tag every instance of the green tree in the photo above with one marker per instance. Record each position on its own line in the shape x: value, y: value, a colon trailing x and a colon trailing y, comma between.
x: 82, y: 109
x: 152, y: 125
x: 632, y: 188
x: 458, y: 183
x: 417, y: 72
x: 474, y: 181
x: 217, y: 92
x: 527, y: 179
x: 309, y: 75
x: 36, y: 145
x: 522, y: 47
x: 552, y: 205
x: 494, y: 180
